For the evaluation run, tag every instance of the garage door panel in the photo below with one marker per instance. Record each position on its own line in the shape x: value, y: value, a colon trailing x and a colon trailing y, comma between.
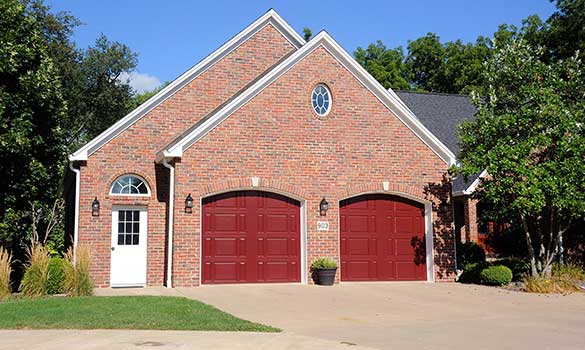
x: 388, y: 246
x: 274, y: 247
x: 357, y: 223
x: 260, y: 245
x: 275, y: 223
x: 358, y: 246
x: 225, y: 222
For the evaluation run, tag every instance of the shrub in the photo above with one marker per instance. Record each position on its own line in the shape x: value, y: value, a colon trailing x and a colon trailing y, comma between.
x: 56, y: 277
x: 34, y: 282
x: 5, y: 271
x: 77, y: 279
x: 469, y: 253
x: 519, y: 267
x: 472, y: 271
x: 564, y: 278
x: 323, y: 263
x: 496, y: 276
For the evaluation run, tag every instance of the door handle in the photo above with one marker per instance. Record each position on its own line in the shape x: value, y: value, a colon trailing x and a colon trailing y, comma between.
x: 113, y: 248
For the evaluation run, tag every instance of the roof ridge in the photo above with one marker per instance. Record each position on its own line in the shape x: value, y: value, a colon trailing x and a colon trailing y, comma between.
x: 431, y: 93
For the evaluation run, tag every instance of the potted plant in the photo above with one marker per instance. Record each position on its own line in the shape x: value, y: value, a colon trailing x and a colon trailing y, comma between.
x: 323, y: 271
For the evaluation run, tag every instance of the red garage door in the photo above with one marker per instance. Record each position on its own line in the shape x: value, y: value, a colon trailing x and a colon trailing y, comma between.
x: 251, y: 236
x: 382, y: 239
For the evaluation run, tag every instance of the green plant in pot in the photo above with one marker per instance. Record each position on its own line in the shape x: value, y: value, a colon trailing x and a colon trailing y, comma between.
x: 323, y: 271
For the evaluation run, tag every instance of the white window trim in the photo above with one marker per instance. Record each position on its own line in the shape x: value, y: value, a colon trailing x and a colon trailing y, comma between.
x: 147, y: 194
x: 324, y: 86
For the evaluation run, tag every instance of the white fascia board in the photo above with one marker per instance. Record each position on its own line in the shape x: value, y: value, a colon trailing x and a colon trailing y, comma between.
x: 472, y: 187
x: 270, y: 17
x: 325, y: 40
x: 475, y: 183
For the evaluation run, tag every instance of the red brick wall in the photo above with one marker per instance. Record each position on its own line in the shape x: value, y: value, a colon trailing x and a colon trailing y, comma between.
x: 134, y: 150
x: 277, y: 138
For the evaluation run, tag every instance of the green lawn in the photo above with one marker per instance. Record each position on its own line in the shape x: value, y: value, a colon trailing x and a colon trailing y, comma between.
x: 124, y: 312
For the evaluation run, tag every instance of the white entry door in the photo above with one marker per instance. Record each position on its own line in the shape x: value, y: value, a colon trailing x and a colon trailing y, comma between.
x: 128, y: 262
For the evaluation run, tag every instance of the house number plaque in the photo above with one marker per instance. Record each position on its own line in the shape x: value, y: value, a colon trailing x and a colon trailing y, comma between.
x: 322, y: 225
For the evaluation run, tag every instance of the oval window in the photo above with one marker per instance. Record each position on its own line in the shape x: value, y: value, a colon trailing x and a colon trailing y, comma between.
x: 321, y: 100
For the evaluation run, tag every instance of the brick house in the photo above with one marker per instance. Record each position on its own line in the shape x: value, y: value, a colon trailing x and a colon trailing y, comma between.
x: 268, y: 154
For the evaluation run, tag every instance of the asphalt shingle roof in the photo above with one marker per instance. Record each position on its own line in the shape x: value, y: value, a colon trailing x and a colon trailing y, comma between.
x: 442, y: 114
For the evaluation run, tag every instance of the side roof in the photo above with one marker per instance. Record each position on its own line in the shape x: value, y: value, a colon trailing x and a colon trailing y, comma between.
x: 176, y: 148
x: 270, y: 17
x: 442, y: 114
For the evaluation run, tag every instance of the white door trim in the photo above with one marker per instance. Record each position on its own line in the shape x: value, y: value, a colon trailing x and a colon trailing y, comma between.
x: 140, y: 253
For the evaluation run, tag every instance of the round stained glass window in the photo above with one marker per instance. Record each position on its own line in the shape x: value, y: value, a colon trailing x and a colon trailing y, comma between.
x: 321, y: 100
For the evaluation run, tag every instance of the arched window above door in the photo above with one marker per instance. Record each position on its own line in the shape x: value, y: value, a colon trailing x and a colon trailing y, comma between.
x: 129, y: 185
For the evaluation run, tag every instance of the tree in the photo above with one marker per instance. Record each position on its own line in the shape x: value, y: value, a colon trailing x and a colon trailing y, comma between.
x: 31, y: 138
x: 425, y: 62
x: 105, y: 97
x: 566, y: 31
x: 530, y: 137
x: 386, y: 65
x: 307, y: 33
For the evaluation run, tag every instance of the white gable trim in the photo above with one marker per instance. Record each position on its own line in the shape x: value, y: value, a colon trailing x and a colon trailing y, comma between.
x: 323, y: 39
x: 472, y: 187
x: 270, y: 17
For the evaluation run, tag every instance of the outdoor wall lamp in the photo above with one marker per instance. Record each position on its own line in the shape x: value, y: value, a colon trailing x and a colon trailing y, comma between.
x: 95, y: 207
x: 189, y: 204
x: 323, y: 207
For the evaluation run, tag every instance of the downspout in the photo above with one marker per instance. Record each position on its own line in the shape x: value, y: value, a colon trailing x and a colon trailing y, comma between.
x: 76, y: 219
x: 170, y: 222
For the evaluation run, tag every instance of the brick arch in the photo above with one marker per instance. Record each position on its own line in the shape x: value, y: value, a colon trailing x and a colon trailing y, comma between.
x: 252, y: 183
x: 145, y: 177
x: 379, y: 187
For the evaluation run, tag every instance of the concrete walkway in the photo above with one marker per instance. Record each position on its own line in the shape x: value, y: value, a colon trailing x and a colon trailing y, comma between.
x: 410, y: 315
x: 163, y: 340
x: 405, y: 315
x: 351, y: 316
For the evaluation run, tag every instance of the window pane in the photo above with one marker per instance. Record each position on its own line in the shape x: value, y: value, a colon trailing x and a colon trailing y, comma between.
x: 128, y: 239
x: 136, y: 228
x: 121, y: 215
x: 136, y: 215
x: 128, y: 215
x: 120, y: 239
x: 120, y: 227
x: 128, y: 227
x: 135, y: 239
x: 142, y: 188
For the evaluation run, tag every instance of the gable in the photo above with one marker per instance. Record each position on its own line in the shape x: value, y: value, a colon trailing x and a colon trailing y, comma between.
x: 388, y: 99
x: 269, y: 21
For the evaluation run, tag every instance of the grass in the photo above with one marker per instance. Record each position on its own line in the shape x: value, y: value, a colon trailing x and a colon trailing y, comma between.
x: 122, y: 312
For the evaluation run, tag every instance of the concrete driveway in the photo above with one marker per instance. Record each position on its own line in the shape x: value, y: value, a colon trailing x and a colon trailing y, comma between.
x: 409, y: 315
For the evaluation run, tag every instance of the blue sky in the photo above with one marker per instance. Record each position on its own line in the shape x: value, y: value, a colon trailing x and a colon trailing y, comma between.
x: 171, y: 36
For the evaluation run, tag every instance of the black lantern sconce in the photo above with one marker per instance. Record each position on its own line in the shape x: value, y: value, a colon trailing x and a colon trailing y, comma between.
x: 95, y: 207
x: 189, y: 204
x: 323, y: 207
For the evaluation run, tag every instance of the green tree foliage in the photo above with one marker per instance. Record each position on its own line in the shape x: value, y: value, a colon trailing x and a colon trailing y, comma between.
x: 31, y: 110
x: 566, y: 29
x: 143, y: 97
x: 307, y: 33
x: 53, y: 97
x: 429, y: 65
x: 386, y: 65
x: 529, y: 135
